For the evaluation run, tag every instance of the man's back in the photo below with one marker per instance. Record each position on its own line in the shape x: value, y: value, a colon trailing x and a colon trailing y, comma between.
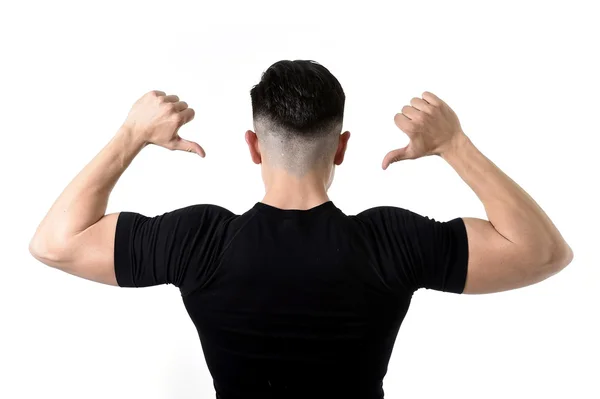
x: 307, y: 302
x: 294, y: 296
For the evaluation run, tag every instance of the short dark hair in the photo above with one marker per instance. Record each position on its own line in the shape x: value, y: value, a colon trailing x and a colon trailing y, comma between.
x: 301, y: 97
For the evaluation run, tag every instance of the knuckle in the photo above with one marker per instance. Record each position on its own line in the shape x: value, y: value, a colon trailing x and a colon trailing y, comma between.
x: 155, y: 94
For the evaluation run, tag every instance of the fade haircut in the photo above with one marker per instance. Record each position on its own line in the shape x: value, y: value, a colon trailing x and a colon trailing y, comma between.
x: 298, y: 108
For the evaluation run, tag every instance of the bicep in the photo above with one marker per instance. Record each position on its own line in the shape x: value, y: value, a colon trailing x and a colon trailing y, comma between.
x: 495, y: 263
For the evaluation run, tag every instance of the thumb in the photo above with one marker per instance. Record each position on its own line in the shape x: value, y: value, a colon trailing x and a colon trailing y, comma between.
x: 396, y: 155
x: 189, y: 146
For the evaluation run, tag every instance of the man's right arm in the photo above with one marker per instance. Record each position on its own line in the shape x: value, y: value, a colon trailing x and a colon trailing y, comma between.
x: 519, y: 245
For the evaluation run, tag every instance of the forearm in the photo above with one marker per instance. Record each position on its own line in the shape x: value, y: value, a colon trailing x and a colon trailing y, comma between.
x: 512, y: 212
x: 84, y: 200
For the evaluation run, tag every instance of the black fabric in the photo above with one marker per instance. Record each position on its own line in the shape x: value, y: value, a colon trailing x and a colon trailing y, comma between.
x: 294, y: 303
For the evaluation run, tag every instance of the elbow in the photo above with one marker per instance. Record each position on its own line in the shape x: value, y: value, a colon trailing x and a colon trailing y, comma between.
x: 35, y: 247
x: 558, y: 257
x: 41, y: 249
x: 562, y: 256
x: 548, y: 260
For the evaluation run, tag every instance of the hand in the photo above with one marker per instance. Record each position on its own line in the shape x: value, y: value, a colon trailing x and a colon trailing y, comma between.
x: 156, y: 118
x: 431, y: 125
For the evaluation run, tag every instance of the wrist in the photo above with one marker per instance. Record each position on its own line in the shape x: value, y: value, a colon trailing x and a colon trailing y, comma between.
x: 132, y: 137
x: 455, y: 146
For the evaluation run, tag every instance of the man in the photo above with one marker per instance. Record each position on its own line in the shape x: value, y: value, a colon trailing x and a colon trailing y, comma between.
x: 294, y: 298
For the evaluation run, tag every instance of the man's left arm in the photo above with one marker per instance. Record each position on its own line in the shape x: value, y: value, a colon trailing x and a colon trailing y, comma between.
x: 76, y: 236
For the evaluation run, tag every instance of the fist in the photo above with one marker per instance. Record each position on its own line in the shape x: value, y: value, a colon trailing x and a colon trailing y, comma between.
x: 431, y: 125
x: 156, y: 119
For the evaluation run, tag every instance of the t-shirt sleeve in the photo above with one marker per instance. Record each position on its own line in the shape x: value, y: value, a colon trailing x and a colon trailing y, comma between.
x: 417, y: 251
x: 160, y: 250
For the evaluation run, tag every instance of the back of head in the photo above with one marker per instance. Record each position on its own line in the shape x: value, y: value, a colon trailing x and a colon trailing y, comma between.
x: 298, y: 108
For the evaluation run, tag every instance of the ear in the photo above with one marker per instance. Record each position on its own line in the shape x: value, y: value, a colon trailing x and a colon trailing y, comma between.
x: 341, y: 150
x: 252, y: 141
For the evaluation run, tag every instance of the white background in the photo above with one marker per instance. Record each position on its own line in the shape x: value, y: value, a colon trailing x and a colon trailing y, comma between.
x: 523, y: 78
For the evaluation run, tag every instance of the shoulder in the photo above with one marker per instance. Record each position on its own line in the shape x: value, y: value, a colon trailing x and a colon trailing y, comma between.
x: 393, y: 219
x: 383, y: 213
x: 201, y: 211
x: 201, y: 215
x: 191, y: 215
x: 392, y: 212
x: 207, y: 210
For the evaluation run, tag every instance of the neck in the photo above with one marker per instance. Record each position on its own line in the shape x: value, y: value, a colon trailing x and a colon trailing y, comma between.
x: 286, y: 191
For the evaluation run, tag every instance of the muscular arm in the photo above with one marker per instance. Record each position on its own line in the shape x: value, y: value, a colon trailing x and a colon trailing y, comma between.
x: 79, y: 213
x: 519, y: 245
x: 76, y: 236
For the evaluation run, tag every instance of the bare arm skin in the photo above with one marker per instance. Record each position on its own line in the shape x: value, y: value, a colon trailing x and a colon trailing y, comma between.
x: 76, y: 236
x: 519, y: 245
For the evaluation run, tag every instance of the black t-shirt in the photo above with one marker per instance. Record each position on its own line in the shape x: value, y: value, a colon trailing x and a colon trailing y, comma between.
x: 294, y: 303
